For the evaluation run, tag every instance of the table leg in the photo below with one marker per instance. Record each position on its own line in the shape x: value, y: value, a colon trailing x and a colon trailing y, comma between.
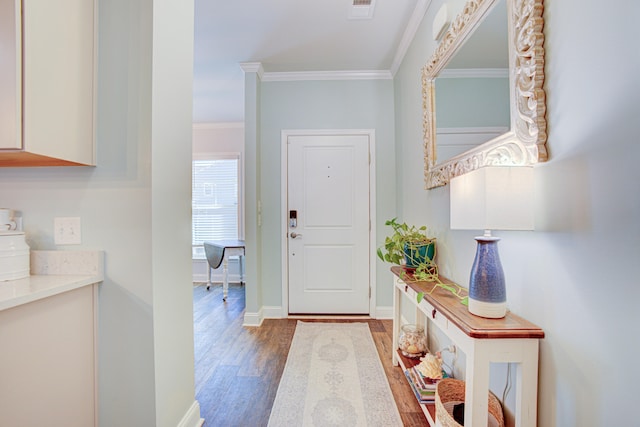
x: 225, y: 283
x: 208, y: 276
x: 396, y: 325
x: 477, y: 385
x: 527, y: 387
x: 241, y: 266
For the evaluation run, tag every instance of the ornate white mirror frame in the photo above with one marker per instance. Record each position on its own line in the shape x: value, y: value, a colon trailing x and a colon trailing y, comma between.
x: 525, y: 142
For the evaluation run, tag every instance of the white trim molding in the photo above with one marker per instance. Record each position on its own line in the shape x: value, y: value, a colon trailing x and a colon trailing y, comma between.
x: 385, y: 312
x: 252, y: 67
x: 273, y: 312
x: 409, y: 34
x: 192, y: 417
x: 253, y: 319
x: 293, y: 76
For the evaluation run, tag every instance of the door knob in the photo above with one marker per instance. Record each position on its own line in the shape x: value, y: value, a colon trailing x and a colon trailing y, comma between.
x: 294, y: 235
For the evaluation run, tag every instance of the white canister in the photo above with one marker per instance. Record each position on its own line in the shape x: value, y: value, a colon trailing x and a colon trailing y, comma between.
x: 14, y: 256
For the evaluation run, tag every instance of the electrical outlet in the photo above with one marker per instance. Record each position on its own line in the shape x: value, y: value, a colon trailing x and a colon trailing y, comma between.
x: 66, y: 231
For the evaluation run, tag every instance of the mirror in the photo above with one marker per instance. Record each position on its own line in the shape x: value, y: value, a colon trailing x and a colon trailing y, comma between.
x: 490, y: 104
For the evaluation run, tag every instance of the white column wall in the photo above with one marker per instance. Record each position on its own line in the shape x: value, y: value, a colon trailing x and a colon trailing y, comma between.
x: 129, y: 206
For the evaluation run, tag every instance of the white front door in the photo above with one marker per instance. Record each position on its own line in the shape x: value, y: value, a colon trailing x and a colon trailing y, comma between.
x: 328, y: 242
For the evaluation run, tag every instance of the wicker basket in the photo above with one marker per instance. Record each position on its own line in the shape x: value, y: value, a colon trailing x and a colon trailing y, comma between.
x: 450, y: 392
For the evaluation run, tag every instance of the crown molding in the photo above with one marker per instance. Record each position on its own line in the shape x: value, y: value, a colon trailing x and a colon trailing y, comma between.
x: 326, y: 75
x: 409, y: 34
x: 252, y: 67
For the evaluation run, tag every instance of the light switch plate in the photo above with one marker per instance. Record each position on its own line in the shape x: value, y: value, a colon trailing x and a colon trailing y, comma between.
x: 66, y: 231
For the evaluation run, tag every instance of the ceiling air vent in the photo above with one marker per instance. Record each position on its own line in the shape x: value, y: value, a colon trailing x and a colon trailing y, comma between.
x: 361, y: 9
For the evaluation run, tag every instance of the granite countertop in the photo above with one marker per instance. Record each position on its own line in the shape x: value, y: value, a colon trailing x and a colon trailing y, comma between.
x: 53, y: 272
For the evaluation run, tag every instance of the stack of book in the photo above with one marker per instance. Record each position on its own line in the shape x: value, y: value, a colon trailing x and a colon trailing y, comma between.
x: 423, y: 387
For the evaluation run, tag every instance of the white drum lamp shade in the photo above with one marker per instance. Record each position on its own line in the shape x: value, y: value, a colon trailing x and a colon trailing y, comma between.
x: 491, y: 198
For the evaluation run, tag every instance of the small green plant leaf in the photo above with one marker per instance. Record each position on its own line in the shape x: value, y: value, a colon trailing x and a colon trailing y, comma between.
x: 465, y: 301
x: 449, y: 288
x: 419, y: 297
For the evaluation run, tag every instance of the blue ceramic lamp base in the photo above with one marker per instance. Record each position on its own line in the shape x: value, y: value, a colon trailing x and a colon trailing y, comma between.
x: 487, y: 291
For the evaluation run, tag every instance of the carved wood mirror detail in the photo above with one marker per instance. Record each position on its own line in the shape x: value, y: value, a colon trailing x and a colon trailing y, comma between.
x: 525, y: 141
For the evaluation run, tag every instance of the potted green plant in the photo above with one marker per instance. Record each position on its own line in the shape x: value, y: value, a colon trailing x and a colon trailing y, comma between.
x: 409, y: 246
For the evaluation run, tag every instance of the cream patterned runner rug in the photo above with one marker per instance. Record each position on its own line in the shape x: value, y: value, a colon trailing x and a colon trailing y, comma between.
x: 333, y: 377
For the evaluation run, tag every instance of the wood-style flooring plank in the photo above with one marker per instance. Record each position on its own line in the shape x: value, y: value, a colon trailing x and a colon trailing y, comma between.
x: 238, y: 368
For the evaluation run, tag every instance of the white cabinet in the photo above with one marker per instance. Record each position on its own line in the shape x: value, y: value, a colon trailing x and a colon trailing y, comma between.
x: 47, y: 362
x: 511, y: 339
x: 10, y: 75
x: 48, y: 84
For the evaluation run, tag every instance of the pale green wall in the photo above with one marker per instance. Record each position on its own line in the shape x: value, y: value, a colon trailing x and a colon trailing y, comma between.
x: 362, y: 104
x: 253, y: 191
x: 575, y: 275
x: 135, y: 205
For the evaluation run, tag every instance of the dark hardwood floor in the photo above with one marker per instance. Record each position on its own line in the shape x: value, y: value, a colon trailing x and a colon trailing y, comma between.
x: 238, y: 369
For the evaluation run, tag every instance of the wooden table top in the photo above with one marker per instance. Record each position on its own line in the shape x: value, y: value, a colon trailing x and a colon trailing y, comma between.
x: 510, y: 326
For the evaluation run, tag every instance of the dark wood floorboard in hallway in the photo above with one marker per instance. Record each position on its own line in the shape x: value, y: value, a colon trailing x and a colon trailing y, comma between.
x: 238, y: 369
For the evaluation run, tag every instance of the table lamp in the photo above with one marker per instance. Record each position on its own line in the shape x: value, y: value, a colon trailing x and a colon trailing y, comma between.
x: 491, y: 198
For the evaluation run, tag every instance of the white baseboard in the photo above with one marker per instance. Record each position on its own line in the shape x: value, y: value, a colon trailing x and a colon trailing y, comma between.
x: 277, y: 312
x: 253, y: 319
x: 273, y: 312
x: 384, y: 313
x: 192, y: 417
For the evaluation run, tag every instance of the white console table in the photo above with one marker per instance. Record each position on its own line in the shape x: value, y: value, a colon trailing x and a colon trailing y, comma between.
x: 511, y: 339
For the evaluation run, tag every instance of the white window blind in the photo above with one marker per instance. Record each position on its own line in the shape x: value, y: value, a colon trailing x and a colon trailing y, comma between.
x: 215, y: 199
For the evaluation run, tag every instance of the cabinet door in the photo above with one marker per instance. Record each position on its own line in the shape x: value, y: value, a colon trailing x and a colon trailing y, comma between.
x: 58, y: 79
x: 10, y: 75
x: 47, y: 361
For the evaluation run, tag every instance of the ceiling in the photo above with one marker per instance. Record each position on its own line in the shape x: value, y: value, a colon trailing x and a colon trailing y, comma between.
x: 290, y: 36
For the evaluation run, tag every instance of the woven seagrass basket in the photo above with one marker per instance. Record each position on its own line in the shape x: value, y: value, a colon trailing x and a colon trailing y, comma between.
x: 450, y: 392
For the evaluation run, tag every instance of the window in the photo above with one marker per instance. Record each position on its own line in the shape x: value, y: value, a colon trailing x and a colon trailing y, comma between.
x: 216, y: 208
